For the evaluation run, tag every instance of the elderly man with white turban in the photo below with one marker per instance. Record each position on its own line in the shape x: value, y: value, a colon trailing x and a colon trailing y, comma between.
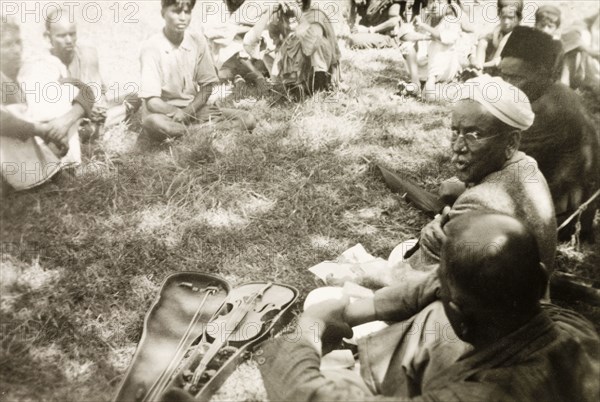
x: 406, y: 359
x: 487, y: 121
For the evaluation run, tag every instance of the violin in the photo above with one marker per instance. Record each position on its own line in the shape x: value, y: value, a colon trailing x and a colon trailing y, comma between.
x: 247, y: 317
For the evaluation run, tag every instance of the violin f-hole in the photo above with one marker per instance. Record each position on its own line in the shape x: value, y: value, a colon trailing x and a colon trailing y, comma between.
x: 264, y: 307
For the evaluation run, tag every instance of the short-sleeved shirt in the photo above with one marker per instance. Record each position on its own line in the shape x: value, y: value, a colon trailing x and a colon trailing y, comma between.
x: 175, y: 73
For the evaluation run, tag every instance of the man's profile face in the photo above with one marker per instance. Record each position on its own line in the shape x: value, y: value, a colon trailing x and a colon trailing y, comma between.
x: 478, y: 145
x: 63, y: 37
x: 519, y: 73
x: 508, y: 19
x: 177, y: 17
x: 11, y: 49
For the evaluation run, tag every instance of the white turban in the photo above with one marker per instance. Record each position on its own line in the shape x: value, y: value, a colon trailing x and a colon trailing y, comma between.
x: 506, y: 102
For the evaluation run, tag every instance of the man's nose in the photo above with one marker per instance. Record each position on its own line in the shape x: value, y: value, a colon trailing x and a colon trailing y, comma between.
x: 459, y: 146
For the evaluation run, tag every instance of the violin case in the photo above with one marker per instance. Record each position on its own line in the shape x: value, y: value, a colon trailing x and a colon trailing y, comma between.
x: 181, y: 300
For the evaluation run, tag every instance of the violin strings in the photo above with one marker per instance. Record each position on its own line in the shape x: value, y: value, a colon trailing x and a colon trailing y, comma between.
x: 216, y: 346
x: 159, y: 384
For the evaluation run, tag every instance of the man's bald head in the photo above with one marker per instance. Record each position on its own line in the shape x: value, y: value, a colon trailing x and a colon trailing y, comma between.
x: 61, y: 32
x: 492, y: 261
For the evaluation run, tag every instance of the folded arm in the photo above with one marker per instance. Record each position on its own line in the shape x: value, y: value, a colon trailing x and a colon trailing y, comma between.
x: 397, y: 302
x: 15, y: 127
x: 85, y: 98
x: 290, y: 368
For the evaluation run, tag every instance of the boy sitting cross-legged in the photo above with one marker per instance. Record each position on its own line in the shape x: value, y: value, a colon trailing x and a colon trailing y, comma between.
x: 177, y: 77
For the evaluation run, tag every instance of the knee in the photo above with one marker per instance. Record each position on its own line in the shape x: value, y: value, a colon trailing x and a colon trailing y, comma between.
x: 151, y: 122
x: 394, y: 11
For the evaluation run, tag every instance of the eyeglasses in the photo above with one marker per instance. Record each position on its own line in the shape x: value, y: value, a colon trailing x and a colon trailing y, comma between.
x: 471, y: 139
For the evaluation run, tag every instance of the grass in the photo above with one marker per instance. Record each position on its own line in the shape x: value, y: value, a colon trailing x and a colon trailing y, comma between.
x: 84, y: 256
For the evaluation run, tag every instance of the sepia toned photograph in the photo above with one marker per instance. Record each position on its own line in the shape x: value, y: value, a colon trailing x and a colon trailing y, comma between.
x: 299, y: 200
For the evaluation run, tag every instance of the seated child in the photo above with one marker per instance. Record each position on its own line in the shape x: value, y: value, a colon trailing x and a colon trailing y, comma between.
x: 436, y: 60
x: 547, y: 20
x: 581, y: 45
x: 489, y: 47
x: 442, y: 57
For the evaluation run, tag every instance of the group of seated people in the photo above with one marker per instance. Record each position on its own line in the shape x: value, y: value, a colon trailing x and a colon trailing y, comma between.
x: 178, y: 75
x: 441, y: 50
x: 468, y: 314
x: 526, y: 157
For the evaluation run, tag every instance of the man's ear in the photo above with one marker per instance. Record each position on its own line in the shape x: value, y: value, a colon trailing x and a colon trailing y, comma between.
x: 514, y: 142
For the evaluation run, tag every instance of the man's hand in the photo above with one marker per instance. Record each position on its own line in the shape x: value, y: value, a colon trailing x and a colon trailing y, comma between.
x: 98, y: 113
x: 180, y: 116
x: 57, y: 132
x: 451, y: 189
x: 420, y: 24
x: 432, y: 235
x: 330, y: 322
x: 40, y: 129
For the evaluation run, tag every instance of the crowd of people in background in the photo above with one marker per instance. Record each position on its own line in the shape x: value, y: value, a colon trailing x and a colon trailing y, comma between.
x: 294, y: 44
x: 526, y: 162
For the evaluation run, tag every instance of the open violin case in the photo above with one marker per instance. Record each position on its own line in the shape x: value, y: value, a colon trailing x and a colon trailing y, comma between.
x: 197, y: 331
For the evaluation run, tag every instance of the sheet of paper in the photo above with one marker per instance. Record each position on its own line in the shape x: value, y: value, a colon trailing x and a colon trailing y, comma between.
x: 355, y: 254
x: 336, y: 270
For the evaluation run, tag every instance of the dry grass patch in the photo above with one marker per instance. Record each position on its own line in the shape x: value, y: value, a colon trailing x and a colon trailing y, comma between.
x: 260, y: 206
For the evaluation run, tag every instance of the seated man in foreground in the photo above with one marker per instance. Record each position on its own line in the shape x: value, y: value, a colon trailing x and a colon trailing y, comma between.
x: 177, y: 77
x: 520, y: 350
x: 39, y: 136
